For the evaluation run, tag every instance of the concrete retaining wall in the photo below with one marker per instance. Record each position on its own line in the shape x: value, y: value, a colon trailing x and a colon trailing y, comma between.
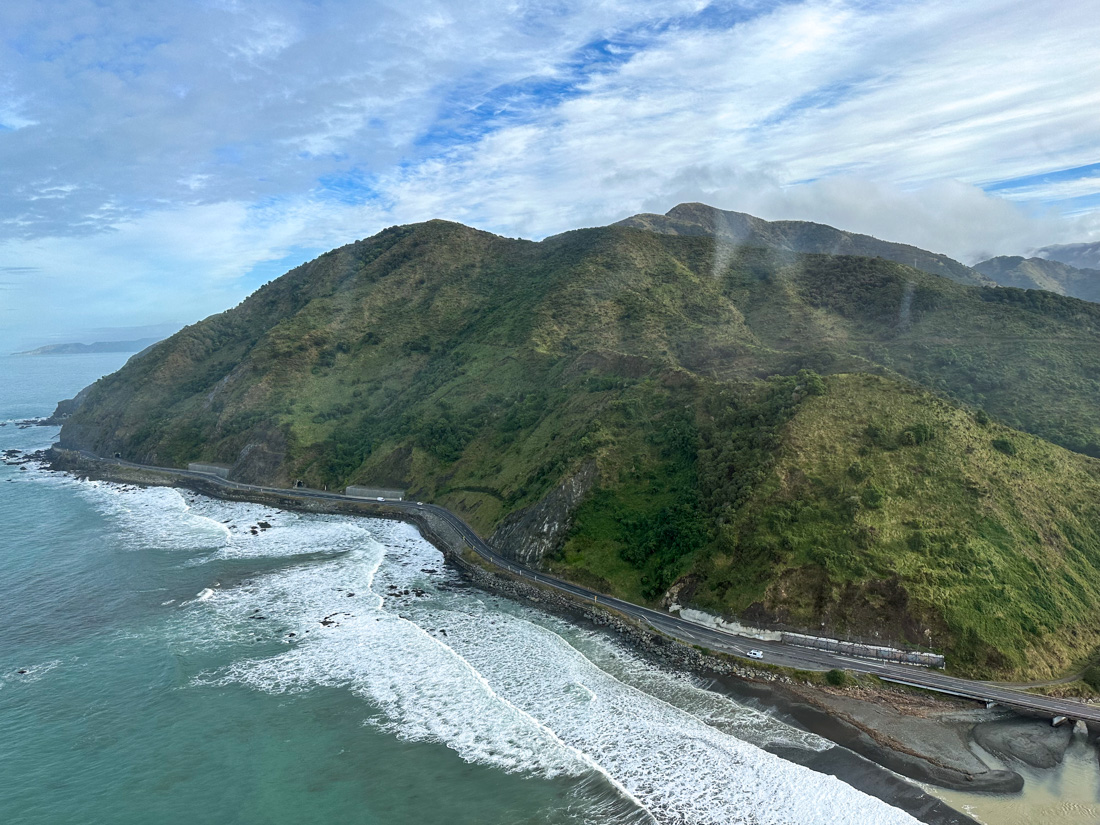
x: 375, y: 492
x: 213, y: 469
x: 889, y: 654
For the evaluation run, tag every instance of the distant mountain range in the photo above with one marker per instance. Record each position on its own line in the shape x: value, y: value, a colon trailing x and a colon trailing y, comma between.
x: 1041, y: 273
x: 1080, y: 255
x: 99, y: 346
x: 739, y: 229
x: 779, y: 421
x: 1067, y: 269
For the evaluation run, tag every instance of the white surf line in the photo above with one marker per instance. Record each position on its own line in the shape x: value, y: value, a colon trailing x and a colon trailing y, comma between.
x: 636, y: 690
x: 374, y: 571
x: 747, y: 749
x: 187, y: 508
x: 481, y: 680
x: 587, y: 690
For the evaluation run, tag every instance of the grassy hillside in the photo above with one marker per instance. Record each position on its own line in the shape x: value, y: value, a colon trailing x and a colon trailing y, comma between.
x: 483, y: 372
x: 887, y: 507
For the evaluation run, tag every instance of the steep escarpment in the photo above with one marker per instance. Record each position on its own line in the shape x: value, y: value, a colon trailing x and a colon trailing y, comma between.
x: 645, y: 410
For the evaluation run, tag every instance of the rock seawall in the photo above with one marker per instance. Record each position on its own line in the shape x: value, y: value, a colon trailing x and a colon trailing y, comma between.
x: 785, y: 691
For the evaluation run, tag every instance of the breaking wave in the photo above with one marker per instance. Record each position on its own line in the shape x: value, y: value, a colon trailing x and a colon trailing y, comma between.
x: 371, y: 608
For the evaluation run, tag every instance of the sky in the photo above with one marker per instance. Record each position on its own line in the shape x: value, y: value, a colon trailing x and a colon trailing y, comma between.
x: 160, y: 161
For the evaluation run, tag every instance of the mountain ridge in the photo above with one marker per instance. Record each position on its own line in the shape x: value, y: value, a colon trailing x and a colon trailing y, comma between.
x: 1080, y: 255
x: 739, y: 228
x: 1042, y: 273
x: 623, y: 405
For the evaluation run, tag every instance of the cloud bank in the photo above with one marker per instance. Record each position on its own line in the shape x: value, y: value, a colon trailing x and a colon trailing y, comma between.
x: 159, y: 162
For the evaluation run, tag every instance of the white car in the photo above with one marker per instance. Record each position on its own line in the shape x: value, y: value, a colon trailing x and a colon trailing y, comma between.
x: 756, y: 654
x: 380, y: 498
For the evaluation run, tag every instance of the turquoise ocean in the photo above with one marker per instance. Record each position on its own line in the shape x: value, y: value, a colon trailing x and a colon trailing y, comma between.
x: 163, y: 660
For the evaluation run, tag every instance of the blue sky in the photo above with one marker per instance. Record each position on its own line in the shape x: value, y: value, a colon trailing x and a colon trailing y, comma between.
x: 160, y: 161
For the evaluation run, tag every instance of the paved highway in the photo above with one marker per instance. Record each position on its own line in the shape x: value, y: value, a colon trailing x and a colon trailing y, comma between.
x: 774, y: 652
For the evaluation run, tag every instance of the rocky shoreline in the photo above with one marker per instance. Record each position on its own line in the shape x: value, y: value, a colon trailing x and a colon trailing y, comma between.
x: 861, y: 766
x: 878, y: 731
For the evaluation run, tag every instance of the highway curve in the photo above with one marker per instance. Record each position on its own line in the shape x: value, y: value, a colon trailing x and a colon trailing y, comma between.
x: 777, y: 653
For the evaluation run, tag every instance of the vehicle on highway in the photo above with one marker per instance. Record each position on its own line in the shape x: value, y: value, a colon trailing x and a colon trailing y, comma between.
x: 380, y: 498
x: 756, y: 654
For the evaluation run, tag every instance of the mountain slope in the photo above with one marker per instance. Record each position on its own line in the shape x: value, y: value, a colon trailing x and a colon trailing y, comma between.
x: 1040, y: 273
x: 1080, y: 255
x: 739, y: 229
x: 634, y: 407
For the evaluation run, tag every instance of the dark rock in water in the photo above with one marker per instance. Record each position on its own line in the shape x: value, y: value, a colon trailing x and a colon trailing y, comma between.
x: 350, y: 595
x: 21, y: 672
x: 1033, y: 741
x: 263, y: 525
x: 328, y: 621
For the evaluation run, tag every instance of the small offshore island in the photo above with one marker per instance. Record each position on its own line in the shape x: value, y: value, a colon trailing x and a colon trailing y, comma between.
x: 781, y: 423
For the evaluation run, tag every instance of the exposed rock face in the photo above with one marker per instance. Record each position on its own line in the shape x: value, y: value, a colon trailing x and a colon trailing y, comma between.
x: 530, y: 534
x: 1033, y: 741
x: 262, y: 461
x: 70, y: 405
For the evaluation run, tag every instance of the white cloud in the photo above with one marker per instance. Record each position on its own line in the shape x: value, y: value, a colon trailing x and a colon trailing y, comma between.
x: 11, y: 119
x: 925, y: 100
x: 181, y: 263
x: 153, y: 157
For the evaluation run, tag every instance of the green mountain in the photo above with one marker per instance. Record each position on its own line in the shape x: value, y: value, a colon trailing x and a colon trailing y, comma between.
x: 1040, y: 273
x: 826, y: 441
x: 738, y: 229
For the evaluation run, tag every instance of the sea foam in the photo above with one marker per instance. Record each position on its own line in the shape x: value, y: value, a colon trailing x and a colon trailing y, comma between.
x: 502, y: 685
x: 371, y: 607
